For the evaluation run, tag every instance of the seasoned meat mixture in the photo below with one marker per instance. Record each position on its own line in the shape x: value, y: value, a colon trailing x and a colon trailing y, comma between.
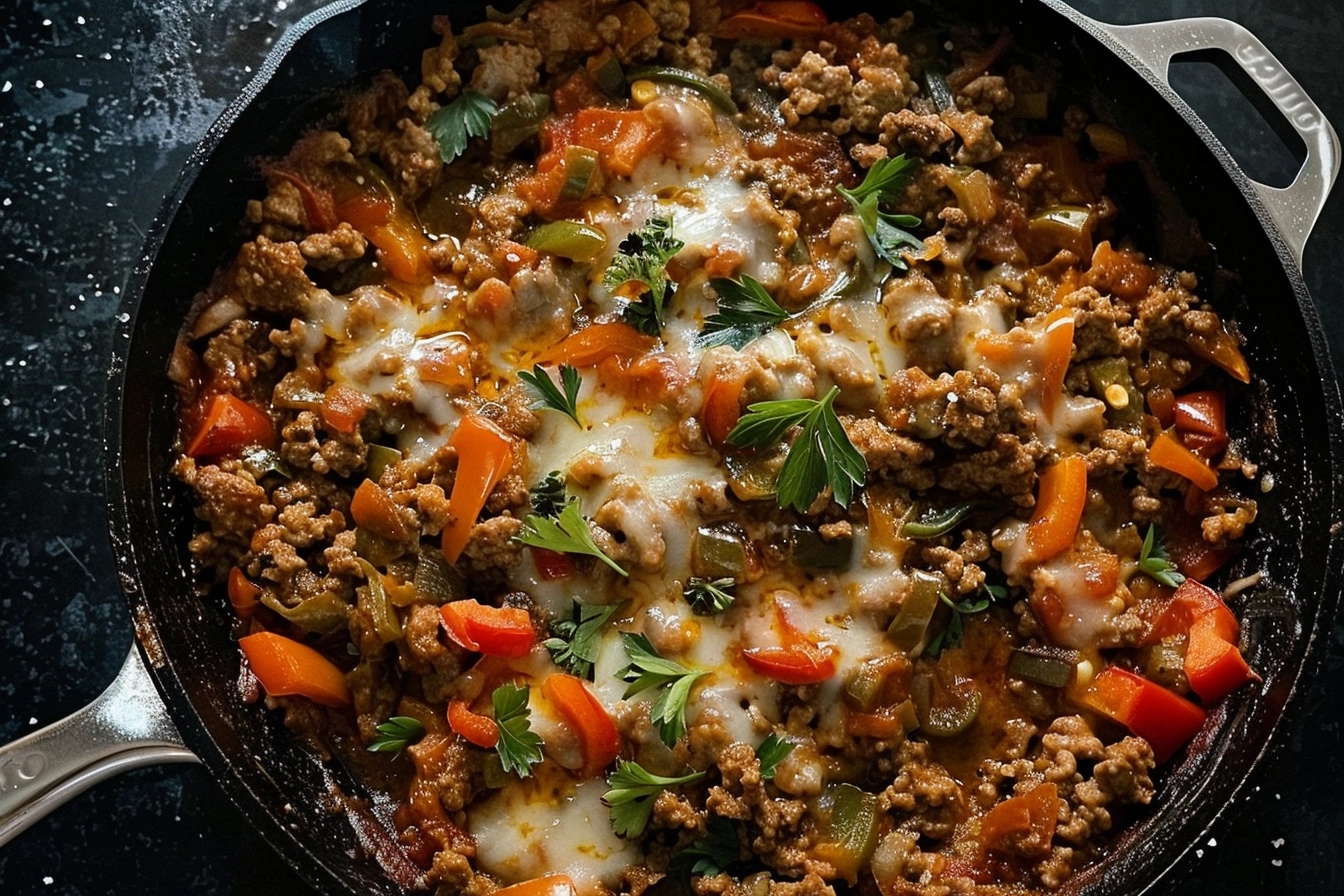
x: 706, y: 445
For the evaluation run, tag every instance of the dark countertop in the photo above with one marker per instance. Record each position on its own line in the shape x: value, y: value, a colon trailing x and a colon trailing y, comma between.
x: 99, y: 106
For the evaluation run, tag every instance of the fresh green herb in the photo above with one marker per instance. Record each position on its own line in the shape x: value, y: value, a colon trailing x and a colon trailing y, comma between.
x: 884, y: 183
x: 771, y: 753
x: 671, y: 679
x: 548, y: 496
x: 576, y: 641
x: 951, y: 635
x: 746, y: 311
x: 996, y: 592
x: 1156, y: 562
x: 455, y: 124
x: 821, y: 454
x: 713, y: 853
x: 549, y: 396
x: 519, y: 746
x: 632, y: 793
x: 567, y: 533
x: 396, y: 734
x: 642, y: 257
x: 709, y: 596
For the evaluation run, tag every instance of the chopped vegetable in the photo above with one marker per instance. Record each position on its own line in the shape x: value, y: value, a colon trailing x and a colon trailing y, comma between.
x: 720, y: 552
x: 1154, y: 713
x: 396, y: 734
x: 569, y: 239
x: 1052, y: 667
x: 809, y: 550
x: 1214, y: 665
x: 568, y: 533
x: 472, y: 727
x: 1201, y: 419
x: 343, y: 407
x: 548, y: 497
x: 372, y: 207
x: 484, y: 455
x: 243, y: 594
x: 709, y: 596
x: 936, y: 86
x: 599, y: 741
x: 935, y: 521
x: 596, y: 343
x: 285, y: 667
x: 575, y: 642
x: 1168, y: 453
x: 581, y: 165
x: 851, y: 830
x: 1058, y: 339
x: 549, y: 885
x: 632, y: 792
x: 454, y: 125
x: 378, y: 459
x: 1112, y: 381
x: 549, y: 396
x: 1061, y: 496
x: 372, y: 508
x: 746, y: 312
x: 642, y: 259
x: 821, y: 454
x: 516, y: 122
x: 774, y: 19
x: 229, y: 425
x: 797, y: 659
x: 494, y: 631
x: 375, y: 606
x: 519, y: 747
x: 671, y: 679
x: 722, y: 405
x: 1156, y: 562
x: 951, y: 635
x: 911, y: 622
x: 945, y: 710
x: 711, y: 91
x: 883, y: 184
x: 1024, y: 824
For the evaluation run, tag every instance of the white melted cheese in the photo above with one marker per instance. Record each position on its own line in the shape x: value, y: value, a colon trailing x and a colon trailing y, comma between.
x: 548, y: 824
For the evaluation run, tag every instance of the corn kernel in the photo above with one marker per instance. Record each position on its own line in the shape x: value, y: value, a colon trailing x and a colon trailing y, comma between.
x: 1117, y: 396
x: 643, y: 92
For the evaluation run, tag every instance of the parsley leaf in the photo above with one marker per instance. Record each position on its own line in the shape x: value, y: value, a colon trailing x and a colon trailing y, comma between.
x: 883, y: 183
x: 455, y: 124
x: 548, y: 496
x: 549, y: 396
x: 709, y: 596
x: 642, y: 258
x: 575, y: 642
x: 672, y: 680
x: 771, y: 753
x: 821, y: 454
x: 567, y: 533
x: 746, y: 311
x: 632, y: 793
x: 950, y: 636
x: 1156, y: 562
x: 716, y: 851
x: 396, y: 734
x: 519, y: 747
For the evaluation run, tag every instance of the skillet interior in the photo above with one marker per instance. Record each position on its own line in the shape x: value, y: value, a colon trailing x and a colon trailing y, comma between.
x: 1292, y: 406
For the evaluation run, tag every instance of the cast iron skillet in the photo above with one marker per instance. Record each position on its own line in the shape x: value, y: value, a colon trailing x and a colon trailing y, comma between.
x: 1247, y: 245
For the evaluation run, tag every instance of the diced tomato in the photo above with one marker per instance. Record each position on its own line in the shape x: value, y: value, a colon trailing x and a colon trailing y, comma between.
x: 1164, y: 719
x: 722, y: 405
x: 229, y: 425
x: 599, y: 741
x: 1201, y: 419
x: 472, y: 726
x: 552, y: 565
x: 494, y: 631
x: 343, y: 407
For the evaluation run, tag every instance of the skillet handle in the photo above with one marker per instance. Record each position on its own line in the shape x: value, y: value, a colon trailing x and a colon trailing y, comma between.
x: 124, y: 728
x: 1295, y: 207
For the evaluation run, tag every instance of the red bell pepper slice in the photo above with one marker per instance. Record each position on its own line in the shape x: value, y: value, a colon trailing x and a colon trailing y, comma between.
x: 1214, y: 665
x: 1159, y: 716
x: 599, y: 741
x: 798, y: 659
x: 774, y: 19
x: 1201, y: 419
x: 494, y: 631
x: 228, y: 426
x: 343, y: 407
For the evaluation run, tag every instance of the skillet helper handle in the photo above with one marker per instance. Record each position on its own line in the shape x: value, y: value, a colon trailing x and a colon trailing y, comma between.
x: 1296, y: 207
x: 124, y: 728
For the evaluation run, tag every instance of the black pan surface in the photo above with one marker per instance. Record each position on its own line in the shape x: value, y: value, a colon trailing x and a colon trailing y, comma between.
x: 280, y: 787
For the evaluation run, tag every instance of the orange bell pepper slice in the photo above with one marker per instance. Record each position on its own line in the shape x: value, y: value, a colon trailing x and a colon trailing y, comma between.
x: 1214, y: 665
x: 1035, y: 812
x: 599, y: 741
x: 228, y: 426
x: 722, y: 406
x: 494, y: 631
x: 343, y: 407
x: 244, y: 595
x: 1164, y: 719
x: 550, y: 885
x: 402, y: 247
x: 1059, y: 508
x: 1168, y: 453
x: 372, y: 508
x: 484, y: 455
x: 473, y: 727
x: 1058, y: 339
x: 774, y: 19
x: 285, y: 667
x: 597, y: 342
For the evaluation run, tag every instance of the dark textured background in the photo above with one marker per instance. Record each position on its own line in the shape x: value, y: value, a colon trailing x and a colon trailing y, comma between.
x: 99, y: 106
